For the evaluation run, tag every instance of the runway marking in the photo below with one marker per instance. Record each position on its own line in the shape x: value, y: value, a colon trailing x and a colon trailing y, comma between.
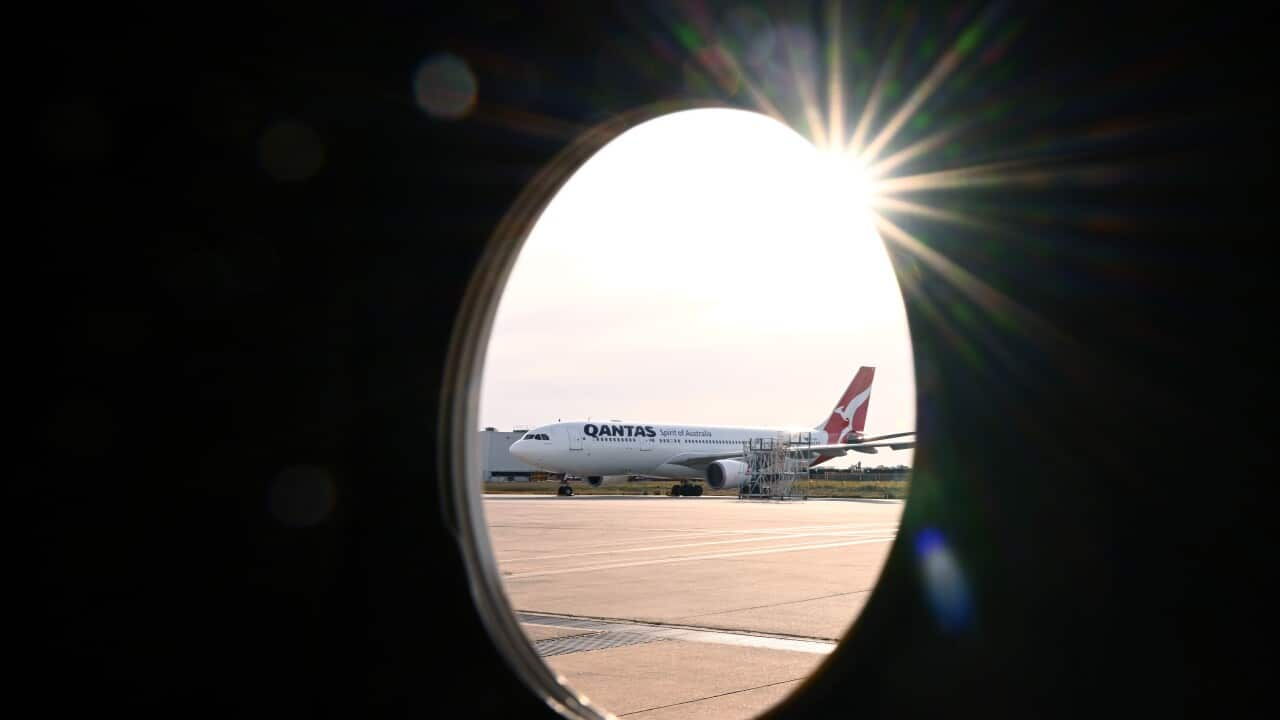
x: 617, y: 633
x: 589, y: 528
x: 825, y: 526
x: 710, y: 697
x: 684, y: 532
x: 692, y: 558
x: 695, y: 532
x: 650, y: 548
x: 777, y: 604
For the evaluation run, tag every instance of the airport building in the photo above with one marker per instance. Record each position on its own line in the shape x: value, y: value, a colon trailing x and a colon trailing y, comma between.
x: 496, y: 463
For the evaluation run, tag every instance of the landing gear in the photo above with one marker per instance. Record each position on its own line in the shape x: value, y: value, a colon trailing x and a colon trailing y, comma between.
x: 686, y: 489
x: 564, y: 490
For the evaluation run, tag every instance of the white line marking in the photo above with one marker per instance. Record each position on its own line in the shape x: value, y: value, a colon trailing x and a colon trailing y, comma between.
x: 651, y: 548
x: 690, y: 558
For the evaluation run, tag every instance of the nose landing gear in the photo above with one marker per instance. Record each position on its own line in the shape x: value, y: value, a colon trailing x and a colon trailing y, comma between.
x: 565, y: 490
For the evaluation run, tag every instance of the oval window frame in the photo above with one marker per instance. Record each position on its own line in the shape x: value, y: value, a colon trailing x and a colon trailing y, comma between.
x: 459, y: 460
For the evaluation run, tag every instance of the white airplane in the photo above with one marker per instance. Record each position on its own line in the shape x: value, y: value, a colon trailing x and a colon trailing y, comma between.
x: 612, y: 452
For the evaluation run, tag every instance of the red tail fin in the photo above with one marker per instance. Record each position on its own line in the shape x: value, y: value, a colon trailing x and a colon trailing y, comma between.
x: 850, y: 413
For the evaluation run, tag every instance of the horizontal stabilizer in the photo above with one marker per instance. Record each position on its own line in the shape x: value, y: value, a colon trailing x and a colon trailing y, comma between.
x: 873, y: 438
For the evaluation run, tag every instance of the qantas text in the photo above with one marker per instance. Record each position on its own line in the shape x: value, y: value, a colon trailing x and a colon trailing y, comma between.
x: 619, y: 430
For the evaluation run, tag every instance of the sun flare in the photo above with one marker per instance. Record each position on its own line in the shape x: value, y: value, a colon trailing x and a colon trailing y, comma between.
x: 846, y: 185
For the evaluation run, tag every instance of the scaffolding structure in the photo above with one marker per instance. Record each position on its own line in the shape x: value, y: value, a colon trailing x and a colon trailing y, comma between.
x: 775, y: 465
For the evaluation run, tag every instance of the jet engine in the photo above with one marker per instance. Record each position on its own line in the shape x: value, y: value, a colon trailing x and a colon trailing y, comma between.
x: 726, y: 474
x: 598, y: 480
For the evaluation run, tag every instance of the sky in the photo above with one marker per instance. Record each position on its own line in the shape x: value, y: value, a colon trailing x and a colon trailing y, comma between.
x: 706, y: 267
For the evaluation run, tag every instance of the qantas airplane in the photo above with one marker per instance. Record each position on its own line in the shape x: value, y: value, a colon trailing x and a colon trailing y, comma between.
x: 613, y: 452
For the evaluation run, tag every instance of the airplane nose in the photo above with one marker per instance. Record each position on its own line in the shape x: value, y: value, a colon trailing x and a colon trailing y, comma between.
x: 520, y: 449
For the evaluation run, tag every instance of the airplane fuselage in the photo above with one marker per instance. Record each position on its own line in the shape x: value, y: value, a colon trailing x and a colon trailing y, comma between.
x: 589, y: 448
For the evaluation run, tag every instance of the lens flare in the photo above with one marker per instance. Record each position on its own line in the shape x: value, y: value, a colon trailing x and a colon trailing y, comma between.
x: 945, y: 585
x: 445, y: 87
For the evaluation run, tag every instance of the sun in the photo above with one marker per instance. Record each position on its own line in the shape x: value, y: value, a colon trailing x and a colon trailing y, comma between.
x: 846, y: 185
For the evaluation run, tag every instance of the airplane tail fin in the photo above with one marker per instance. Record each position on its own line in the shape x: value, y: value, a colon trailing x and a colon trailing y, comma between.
x: 850, y: 413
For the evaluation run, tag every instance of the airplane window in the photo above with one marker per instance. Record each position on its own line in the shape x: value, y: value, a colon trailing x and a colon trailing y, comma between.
x: 572, y: 575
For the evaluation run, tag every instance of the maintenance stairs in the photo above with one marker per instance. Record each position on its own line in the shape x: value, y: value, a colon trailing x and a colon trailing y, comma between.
x: 777, y: 469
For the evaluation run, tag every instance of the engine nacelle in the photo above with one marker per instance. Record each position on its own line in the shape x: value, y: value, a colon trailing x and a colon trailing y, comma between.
x: 723, y: 474
x: 598, y: 480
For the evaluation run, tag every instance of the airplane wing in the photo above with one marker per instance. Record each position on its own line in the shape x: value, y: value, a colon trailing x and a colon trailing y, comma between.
x: 843, y: 448
x: 698, y: 462
x: 867, y: 445
x: 873, y: 438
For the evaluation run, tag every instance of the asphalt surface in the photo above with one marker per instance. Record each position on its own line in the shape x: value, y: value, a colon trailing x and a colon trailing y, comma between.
x: 660, y: 607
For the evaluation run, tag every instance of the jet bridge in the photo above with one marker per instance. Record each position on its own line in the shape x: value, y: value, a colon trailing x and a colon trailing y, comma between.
x: 774, y: 467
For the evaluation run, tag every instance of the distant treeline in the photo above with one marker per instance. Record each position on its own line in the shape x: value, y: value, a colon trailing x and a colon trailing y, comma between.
x: 857, y: 473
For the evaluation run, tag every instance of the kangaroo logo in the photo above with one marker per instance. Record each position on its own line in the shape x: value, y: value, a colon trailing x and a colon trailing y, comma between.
x: 846, y: 412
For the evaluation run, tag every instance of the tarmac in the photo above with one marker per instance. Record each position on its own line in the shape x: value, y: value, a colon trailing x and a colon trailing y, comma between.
x: 675, y: 607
